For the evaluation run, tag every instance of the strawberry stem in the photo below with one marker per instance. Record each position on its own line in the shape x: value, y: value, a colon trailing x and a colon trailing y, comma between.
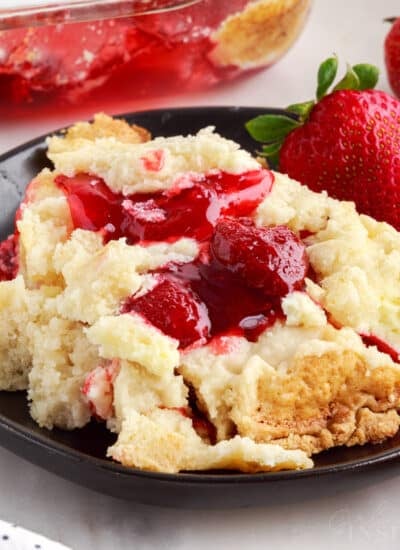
x: 302, y: 110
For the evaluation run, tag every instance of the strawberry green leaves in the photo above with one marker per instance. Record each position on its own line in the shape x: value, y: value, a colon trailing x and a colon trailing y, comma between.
x: 360, y: 77
x: 326, y: 75
x: 302, y: 110
x: 271, y: 152
x: 350, y: 81
x: 271, y: 130
x: 368, y: 75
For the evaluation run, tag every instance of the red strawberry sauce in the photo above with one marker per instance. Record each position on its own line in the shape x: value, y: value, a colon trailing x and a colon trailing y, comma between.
x: 190, y: 209
x: 235, y: 284
x: 9, y: 258
x: 371, y: 340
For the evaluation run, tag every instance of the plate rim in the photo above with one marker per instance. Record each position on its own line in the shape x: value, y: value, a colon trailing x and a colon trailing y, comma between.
x: 16, y: 430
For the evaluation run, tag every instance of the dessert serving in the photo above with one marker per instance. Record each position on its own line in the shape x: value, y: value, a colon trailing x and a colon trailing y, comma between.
x: 213, y: 313
x: 190, y: 298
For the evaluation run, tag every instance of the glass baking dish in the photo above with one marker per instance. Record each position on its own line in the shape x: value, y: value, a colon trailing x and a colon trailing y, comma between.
x: 28, y: 13
x: 111, y: 52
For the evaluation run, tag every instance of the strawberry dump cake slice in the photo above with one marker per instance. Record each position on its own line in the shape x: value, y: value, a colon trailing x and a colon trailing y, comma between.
x: 211, y: 312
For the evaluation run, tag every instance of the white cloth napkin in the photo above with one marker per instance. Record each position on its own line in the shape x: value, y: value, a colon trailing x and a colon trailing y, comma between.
x: 13, y: 537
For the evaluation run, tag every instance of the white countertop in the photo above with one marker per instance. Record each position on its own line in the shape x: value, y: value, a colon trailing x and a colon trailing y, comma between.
x: 357, y: 513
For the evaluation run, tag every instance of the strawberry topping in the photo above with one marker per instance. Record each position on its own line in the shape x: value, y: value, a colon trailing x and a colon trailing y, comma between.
x: 9, y: 258
x: 381, y: 345
x: 154, y: 161
x: 234, y: 290
x: 188, y: 211
x: 193, y: 302
x: 272, y: 259
x: 98, y: 389
x: 174, y: 309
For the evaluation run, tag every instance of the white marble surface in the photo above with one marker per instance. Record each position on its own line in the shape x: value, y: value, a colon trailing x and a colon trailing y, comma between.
x: 359, y: 512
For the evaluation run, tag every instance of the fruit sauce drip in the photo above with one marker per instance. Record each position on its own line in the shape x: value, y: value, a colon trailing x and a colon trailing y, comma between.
x: 189, y: 209
x: 235, y: 284
x: 381, y: 345
x: 9, y: 258
x: 368, y: 339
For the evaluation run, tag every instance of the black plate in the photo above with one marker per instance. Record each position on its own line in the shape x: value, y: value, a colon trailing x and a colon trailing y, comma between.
x: 79, y: 455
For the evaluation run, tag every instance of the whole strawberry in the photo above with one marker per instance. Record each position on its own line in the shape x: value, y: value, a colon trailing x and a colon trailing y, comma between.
x: 347, y: 143
x: 392, y: 55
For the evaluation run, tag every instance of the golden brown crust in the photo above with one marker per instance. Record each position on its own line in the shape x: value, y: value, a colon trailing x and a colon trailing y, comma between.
x: 260, y: 34
x: 165, y: 441
x: 321, y: 402
x: 105, y: 126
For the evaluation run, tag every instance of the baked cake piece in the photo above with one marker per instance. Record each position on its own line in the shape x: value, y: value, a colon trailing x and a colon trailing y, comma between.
x: 213, y: 313
x: 104, y: 126
x: 46, y: 223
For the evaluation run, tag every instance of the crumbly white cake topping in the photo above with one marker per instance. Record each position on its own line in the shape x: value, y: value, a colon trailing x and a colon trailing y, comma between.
x: 301, y: 310
x: 356, y: 259
x: 152, y: 166
x: 129, y: 336
x: 98, y: 278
